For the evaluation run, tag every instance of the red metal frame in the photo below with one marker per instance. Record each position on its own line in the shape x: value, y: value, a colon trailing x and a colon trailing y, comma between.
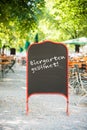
x: 27, y: 96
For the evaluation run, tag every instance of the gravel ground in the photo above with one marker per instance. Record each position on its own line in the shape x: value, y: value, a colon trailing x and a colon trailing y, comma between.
x: 46, y: 112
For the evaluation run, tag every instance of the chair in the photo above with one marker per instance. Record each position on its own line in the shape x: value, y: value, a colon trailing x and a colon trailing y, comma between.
x: 10, y: 66
x: 81, y: 88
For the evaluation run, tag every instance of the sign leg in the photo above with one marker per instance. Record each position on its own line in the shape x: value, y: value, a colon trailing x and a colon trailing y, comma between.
x: 27, y: 109
x: 67, y: 108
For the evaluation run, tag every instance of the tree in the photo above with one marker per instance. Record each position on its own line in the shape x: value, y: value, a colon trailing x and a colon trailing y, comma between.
x: 25, y: 12
x: 18, y: 17
x: 70, y: 16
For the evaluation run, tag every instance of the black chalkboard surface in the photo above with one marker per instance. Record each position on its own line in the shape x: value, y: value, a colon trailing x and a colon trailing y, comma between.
x: 47, y: 68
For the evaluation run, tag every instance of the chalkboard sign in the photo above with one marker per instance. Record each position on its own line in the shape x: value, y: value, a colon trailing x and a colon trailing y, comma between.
x: 47, y: 68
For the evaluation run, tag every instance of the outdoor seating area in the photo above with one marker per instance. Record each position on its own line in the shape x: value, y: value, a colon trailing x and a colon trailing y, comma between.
x: 78, y: 77
x: 6, y: 64
x: 43, y: 64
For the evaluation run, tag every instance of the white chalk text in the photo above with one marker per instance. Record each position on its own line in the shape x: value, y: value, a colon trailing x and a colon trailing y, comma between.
x: 37, y: 65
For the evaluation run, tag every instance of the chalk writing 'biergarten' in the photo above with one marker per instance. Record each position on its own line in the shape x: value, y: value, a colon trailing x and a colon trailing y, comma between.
x: 37, y: 65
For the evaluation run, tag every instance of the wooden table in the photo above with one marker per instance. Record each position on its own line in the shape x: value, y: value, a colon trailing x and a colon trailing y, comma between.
x: 4, y: 62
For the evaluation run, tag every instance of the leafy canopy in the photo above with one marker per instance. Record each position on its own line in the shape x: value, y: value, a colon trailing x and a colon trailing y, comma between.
x: 56, y: 20
x: 71, y: 17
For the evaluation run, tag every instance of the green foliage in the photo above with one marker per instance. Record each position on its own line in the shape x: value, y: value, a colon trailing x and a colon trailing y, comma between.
x: 25, y: 12
x: 56, y: 20
x: 71, y: 17
x: 18, y: 18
